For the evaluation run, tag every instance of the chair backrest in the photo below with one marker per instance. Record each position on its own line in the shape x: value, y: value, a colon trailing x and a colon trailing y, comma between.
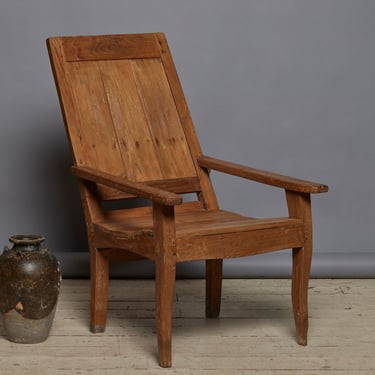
x: 124, y: 109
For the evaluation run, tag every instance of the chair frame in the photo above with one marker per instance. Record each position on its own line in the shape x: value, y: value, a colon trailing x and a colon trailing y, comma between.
x: 164, y: 241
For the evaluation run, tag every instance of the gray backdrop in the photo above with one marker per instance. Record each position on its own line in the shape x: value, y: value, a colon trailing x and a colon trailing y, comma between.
x: 284, y: 85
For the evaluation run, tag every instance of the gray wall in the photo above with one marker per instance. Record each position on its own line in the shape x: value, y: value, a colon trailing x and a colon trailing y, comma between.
x: 285, y: 85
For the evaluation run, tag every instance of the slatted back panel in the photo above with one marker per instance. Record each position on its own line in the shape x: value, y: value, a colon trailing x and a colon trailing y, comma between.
x: 120, y: 111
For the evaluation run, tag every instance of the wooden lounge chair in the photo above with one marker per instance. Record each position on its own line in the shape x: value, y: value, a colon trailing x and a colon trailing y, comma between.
x: 131, y: 135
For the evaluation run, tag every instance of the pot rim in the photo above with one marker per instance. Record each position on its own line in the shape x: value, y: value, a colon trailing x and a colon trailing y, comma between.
x: 23, y: 239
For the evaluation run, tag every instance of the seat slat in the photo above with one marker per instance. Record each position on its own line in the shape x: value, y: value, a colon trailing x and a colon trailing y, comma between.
x: 223, y: 225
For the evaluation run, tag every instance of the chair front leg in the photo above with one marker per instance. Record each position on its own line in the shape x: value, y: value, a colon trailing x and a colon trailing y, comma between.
x: 299, y: 206
x: 165, y: 249
x: 214, y: 275
x: 300, y: 283
x: 165, y: 283
x: 99, y: 275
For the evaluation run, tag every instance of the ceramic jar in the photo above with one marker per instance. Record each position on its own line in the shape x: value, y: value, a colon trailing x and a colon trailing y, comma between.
x: 29, y: 286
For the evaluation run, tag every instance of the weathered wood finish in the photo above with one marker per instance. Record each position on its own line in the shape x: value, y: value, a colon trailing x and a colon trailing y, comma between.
x: 132, y: 136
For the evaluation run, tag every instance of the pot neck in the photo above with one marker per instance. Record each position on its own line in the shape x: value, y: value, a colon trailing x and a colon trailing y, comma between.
x: 26, y: 242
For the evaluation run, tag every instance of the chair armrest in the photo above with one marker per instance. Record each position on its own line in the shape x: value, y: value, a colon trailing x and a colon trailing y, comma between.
x: 285, y: 182
x: 137, y: 189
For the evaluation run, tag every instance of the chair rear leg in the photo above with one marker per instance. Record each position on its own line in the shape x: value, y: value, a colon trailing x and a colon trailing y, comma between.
x: 300, y: 282
x: 99, y: 290
x: 165, y: 284
x: 214, y: 275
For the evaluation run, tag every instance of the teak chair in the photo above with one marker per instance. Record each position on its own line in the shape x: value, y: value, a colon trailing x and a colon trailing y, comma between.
x: 131, y: 135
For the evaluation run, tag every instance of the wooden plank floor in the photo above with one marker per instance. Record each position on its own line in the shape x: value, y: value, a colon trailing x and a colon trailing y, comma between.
x: 255, y: 334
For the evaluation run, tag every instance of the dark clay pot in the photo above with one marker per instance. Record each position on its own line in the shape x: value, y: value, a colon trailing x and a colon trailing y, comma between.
x: 29, y: 286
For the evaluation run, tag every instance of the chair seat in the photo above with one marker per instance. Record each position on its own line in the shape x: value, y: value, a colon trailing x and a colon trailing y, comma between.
x: 199, y: 229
